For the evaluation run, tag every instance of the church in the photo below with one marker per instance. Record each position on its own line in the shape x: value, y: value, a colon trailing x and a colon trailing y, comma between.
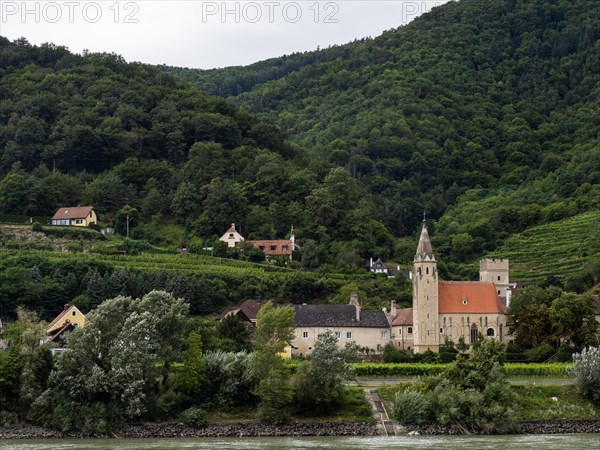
x: 451, y: 309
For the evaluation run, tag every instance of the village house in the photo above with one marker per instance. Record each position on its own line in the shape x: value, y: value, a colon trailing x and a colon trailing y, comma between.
x: 232, y: 237
x: 270, y: 247
x: 370, y: 329
x: 452, y: 309
x: 78, y: 216
x: 246, y: 312
x: 67, y: 321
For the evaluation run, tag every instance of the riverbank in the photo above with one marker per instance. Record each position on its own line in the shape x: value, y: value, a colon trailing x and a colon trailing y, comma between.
x: 169, y: 430
x: 254, y: 429
x: 547, y: 426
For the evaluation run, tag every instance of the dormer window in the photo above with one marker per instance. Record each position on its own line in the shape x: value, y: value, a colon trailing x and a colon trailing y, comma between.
x: 464, y: 301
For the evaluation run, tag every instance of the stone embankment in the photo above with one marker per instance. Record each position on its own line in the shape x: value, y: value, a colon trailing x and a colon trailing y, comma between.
x: 548, y: 426
x: 164, y: 430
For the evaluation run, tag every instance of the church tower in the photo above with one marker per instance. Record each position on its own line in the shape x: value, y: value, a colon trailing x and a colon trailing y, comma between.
x: 425, y: 297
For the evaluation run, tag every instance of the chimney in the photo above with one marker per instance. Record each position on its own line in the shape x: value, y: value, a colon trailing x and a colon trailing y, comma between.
x: 233, y: 226
x: 393, y: 309
x: 354, y: 302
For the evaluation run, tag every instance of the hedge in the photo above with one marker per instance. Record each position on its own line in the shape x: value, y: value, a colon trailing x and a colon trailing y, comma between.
x: 420, y: 369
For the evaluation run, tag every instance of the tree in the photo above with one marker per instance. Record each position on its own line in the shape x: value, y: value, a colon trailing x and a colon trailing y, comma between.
x: 534, y: 327
x: 190, y: 378
x: 233, y: 335
x: 111, y: 372
x: 274, y: 331
x: 319, y: 382
x: 586, y: 372
x: 126, y: 220
x: 573, y: 319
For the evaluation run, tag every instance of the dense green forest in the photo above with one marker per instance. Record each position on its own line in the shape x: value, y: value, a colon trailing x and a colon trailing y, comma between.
x: 481, y: 113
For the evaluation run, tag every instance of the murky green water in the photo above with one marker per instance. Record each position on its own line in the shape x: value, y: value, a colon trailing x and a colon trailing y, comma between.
x: 520, y: 442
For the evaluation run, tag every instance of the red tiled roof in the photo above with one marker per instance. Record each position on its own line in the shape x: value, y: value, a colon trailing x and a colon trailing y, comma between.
x: 278, y: 244
x: 480, y: 297
x: 403, y: 317
x: 60, y: 316
x: 78, y: 212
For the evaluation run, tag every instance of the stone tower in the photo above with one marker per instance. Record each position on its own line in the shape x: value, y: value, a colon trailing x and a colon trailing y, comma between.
x: 495, y: 271
x: 425, y: 297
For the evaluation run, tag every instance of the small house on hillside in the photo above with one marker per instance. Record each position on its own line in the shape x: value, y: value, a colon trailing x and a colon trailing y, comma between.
x: 78, y: 216
x: 67, y: 321
x: 232, y: 237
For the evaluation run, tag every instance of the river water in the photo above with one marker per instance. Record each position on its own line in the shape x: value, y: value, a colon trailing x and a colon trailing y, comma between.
x: 520, y: 442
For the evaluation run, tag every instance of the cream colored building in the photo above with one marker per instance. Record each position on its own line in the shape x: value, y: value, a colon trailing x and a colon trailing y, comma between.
x: 232, y: 237
x: 350, y: 323
x: 451, y: 309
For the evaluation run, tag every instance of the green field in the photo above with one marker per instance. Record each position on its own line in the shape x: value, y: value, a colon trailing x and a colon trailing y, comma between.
x: 557, y: 248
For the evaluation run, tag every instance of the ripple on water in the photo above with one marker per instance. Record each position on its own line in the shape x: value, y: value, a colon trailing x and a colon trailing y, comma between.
x: 522, y: 442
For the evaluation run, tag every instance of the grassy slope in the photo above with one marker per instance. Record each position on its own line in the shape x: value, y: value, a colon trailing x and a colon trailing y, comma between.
x: 557, y: 248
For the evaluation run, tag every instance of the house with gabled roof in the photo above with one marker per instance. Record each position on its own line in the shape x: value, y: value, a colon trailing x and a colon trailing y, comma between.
x: 232, y: 237
x: 77, y: 216
x: 370, y: 329
x: 247, y: 311
x: 67, y: 321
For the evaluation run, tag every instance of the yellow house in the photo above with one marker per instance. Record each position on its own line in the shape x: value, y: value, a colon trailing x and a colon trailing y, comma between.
x: 70, y: 315
x: 78, y: 216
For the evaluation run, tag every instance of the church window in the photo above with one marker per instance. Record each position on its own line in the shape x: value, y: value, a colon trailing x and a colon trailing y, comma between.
x: 498, y: 278
x: 441, y: 330
x: 409, y: 330
x: 473, y: 333
x: 498, y: 292
x: 305, y: 335
x: 427, y: 270
x: 490, y: 332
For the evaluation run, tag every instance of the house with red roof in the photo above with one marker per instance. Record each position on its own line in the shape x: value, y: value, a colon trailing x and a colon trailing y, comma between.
x: 452, y: 309
x: 77, y: 216
x: 270, y: 247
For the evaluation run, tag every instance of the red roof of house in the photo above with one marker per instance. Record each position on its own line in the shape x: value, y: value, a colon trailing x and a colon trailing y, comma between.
x: 457, y: 297
x: 403, y: 317
x: 60, y: 316
x: 278, y: 244
x: 77, y: 212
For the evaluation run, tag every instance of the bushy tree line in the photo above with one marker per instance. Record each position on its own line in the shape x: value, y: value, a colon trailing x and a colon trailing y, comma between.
x: 546, y: 318
x: 147, y: 359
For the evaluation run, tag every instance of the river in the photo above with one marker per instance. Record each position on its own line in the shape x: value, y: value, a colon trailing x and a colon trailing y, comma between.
x: 522, y: 442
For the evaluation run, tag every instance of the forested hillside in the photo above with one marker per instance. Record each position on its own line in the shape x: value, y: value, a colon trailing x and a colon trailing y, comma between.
x: 482, y: 112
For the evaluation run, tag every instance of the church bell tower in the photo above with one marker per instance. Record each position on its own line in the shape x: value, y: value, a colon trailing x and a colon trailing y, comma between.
x: 425, y: 297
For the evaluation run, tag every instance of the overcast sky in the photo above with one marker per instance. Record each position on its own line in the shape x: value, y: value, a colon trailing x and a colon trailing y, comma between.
x: 203, y: 34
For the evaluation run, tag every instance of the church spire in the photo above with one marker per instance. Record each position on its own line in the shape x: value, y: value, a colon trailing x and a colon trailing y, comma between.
x: 424, y: 248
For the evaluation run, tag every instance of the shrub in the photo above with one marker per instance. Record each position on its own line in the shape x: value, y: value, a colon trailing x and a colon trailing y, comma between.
x: 36, y: 226
x: 586, y: 372
x: 540, y: 353
x: 195, y: 417
x: 8, y: 418
x: 393, y: 355
x: 411, y: 407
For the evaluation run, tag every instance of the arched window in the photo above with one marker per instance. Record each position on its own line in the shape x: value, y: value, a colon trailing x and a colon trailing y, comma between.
x: 473, y: 333
x: 427, y: 270
x: 490, y: 332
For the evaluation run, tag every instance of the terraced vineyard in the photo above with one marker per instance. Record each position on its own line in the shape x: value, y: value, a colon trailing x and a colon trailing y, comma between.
x: 557, y: 248
x: 171, y: 263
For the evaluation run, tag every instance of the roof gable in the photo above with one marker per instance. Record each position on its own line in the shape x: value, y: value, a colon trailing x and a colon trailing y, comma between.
x: 458, y: 297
